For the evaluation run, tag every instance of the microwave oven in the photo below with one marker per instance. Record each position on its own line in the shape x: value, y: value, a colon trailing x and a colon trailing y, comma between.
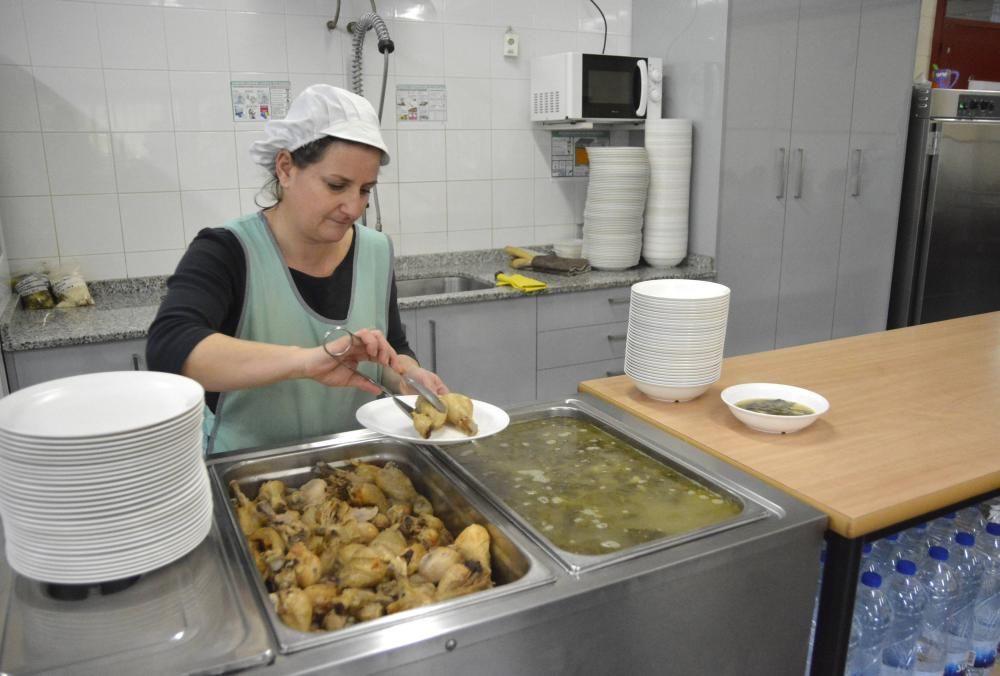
x: 573, y: 86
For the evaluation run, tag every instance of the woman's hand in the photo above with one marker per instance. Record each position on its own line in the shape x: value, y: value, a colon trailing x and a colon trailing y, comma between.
x: 428, y: 379
x: 368, y: 345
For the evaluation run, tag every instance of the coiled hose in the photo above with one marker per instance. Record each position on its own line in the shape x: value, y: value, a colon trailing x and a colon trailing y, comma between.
x: 358, y: 30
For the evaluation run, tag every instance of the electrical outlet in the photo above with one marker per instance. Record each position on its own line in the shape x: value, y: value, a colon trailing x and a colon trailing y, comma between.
x: 510, y: 43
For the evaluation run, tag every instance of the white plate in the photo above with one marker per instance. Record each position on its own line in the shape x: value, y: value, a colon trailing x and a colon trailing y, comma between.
x: 99, y: 404
x: 384, y: 417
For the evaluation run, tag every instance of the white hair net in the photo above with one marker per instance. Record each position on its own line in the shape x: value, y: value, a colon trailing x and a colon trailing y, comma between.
x: 320, y: 110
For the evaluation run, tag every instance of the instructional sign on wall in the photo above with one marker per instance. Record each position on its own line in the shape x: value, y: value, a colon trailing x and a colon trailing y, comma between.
x: 569, y: 150
x: 259, y: 100
x: 421, y: 103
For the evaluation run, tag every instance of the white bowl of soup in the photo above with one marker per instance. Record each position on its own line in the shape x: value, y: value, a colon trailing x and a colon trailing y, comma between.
x: 774, y: 408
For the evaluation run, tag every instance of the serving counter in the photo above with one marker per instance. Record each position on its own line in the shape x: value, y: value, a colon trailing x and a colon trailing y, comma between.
x: 734, y: 597
x: 912, y: 431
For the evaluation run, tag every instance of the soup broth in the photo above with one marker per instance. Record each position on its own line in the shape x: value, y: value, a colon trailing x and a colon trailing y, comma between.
x: 775, y: 407
x: 587, y: 491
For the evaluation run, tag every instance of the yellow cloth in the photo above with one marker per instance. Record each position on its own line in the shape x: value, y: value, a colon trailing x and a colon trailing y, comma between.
x: 520, y: 282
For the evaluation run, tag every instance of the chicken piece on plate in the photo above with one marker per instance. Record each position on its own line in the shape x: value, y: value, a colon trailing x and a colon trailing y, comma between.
x: 426, y: 418
x: 460, y: 412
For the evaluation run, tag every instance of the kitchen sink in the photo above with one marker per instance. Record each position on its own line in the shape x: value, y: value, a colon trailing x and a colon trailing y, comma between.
x: 425, y: 286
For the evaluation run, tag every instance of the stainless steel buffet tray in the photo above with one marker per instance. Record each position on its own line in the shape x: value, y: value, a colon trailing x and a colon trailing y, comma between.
x: 514, y: 568
x: 458, y: 458
x: 193, y: 616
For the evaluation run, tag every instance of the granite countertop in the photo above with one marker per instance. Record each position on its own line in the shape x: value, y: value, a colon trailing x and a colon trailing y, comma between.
x: 125, y: 308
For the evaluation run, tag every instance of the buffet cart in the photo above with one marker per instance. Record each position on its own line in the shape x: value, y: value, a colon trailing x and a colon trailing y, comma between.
x: 734, y: 596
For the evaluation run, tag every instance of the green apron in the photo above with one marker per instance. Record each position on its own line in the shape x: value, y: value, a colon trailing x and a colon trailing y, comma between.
x: 273, y: 312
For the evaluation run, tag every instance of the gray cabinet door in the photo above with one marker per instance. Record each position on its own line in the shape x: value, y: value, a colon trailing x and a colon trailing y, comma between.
x: 825, y: 64
x: 36, y: 366
x: 484, y: 350
x: 875, y: 164
x: 759, y: 90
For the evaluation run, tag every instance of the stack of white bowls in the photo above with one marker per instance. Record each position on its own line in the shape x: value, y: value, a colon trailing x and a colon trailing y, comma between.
x: 102, y: 475
x: 612, y: 215
x: 676, y: 335
x: 665, y: 233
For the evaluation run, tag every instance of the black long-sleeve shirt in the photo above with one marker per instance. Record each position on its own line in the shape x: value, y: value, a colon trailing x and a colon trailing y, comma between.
x: 205, y: 296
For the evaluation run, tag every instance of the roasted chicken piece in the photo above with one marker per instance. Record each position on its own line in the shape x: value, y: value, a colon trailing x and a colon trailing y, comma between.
x: 426, y: 418
x: 460, y: 412
x: 395, y: 484
x: 437, y: 561
x: 473, y: 543
x: 246, y: 510
x: 295, y: 608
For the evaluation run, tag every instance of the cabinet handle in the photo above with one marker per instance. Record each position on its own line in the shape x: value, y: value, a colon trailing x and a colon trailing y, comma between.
x: 136, y: 362
x: 432, y: 324
x: 798, y: 179
x: 617, y: 301
x: 616, y: 336
x: 856, y: 188
x: 614, y: 373
x: 781, y: 172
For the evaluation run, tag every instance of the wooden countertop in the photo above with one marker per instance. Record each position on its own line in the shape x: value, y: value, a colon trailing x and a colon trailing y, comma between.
x: 913, y: 425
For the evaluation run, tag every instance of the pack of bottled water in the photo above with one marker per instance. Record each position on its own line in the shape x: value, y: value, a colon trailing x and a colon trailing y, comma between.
x: 928, y: 599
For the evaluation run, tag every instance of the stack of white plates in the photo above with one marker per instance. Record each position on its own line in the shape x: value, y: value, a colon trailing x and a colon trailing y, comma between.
x: 665, y: 233
x: 612, y: 215
x: 676, y: 335
x: 102, y: 475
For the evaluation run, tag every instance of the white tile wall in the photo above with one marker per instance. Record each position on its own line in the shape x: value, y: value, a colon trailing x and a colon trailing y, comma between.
x: 117, y: 143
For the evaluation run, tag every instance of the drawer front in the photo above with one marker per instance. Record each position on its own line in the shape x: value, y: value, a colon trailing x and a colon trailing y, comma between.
x: 560, y: 383
x: 581, y: 345
x: 566, y: 310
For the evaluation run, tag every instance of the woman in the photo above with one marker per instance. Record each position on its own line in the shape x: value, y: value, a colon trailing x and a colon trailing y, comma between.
x: 248, y: 307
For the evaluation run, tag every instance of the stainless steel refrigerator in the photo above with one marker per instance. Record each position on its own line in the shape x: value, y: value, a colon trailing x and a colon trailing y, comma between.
x: 947, y: 260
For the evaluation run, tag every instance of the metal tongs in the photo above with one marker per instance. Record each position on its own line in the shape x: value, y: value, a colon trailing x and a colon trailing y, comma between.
x: 412, y: 382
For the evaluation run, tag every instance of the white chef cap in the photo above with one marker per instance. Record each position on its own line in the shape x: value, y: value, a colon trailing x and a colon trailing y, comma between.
x: 320, y: 110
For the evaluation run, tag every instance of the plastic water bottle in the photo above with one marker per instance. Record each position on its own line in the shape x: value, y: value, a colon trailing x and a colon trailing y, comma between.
x: 968, y: 569
x: 986, y: 611
x: 941, y: 531
x: 856, y: 664
x: 942, y: 595
x: 913, y: 544
x: 868, y: 563
x: 908, y: 600
x: 884, y: 555
x: 873, y: 615
x: 970, y: 520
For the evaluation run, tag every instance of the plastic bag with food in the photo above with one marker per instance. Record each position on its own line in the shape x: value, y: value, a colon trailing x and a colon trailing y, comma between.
x: 34, y: 291
x: 71, y: 289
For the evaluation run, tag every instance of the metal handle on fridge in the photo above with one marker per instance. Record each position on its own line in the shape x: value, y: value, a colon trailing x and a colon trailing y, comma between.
x: 781, y: 172
x: 432, y: 324
x: 856, y: 187
x: 798, y: 179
